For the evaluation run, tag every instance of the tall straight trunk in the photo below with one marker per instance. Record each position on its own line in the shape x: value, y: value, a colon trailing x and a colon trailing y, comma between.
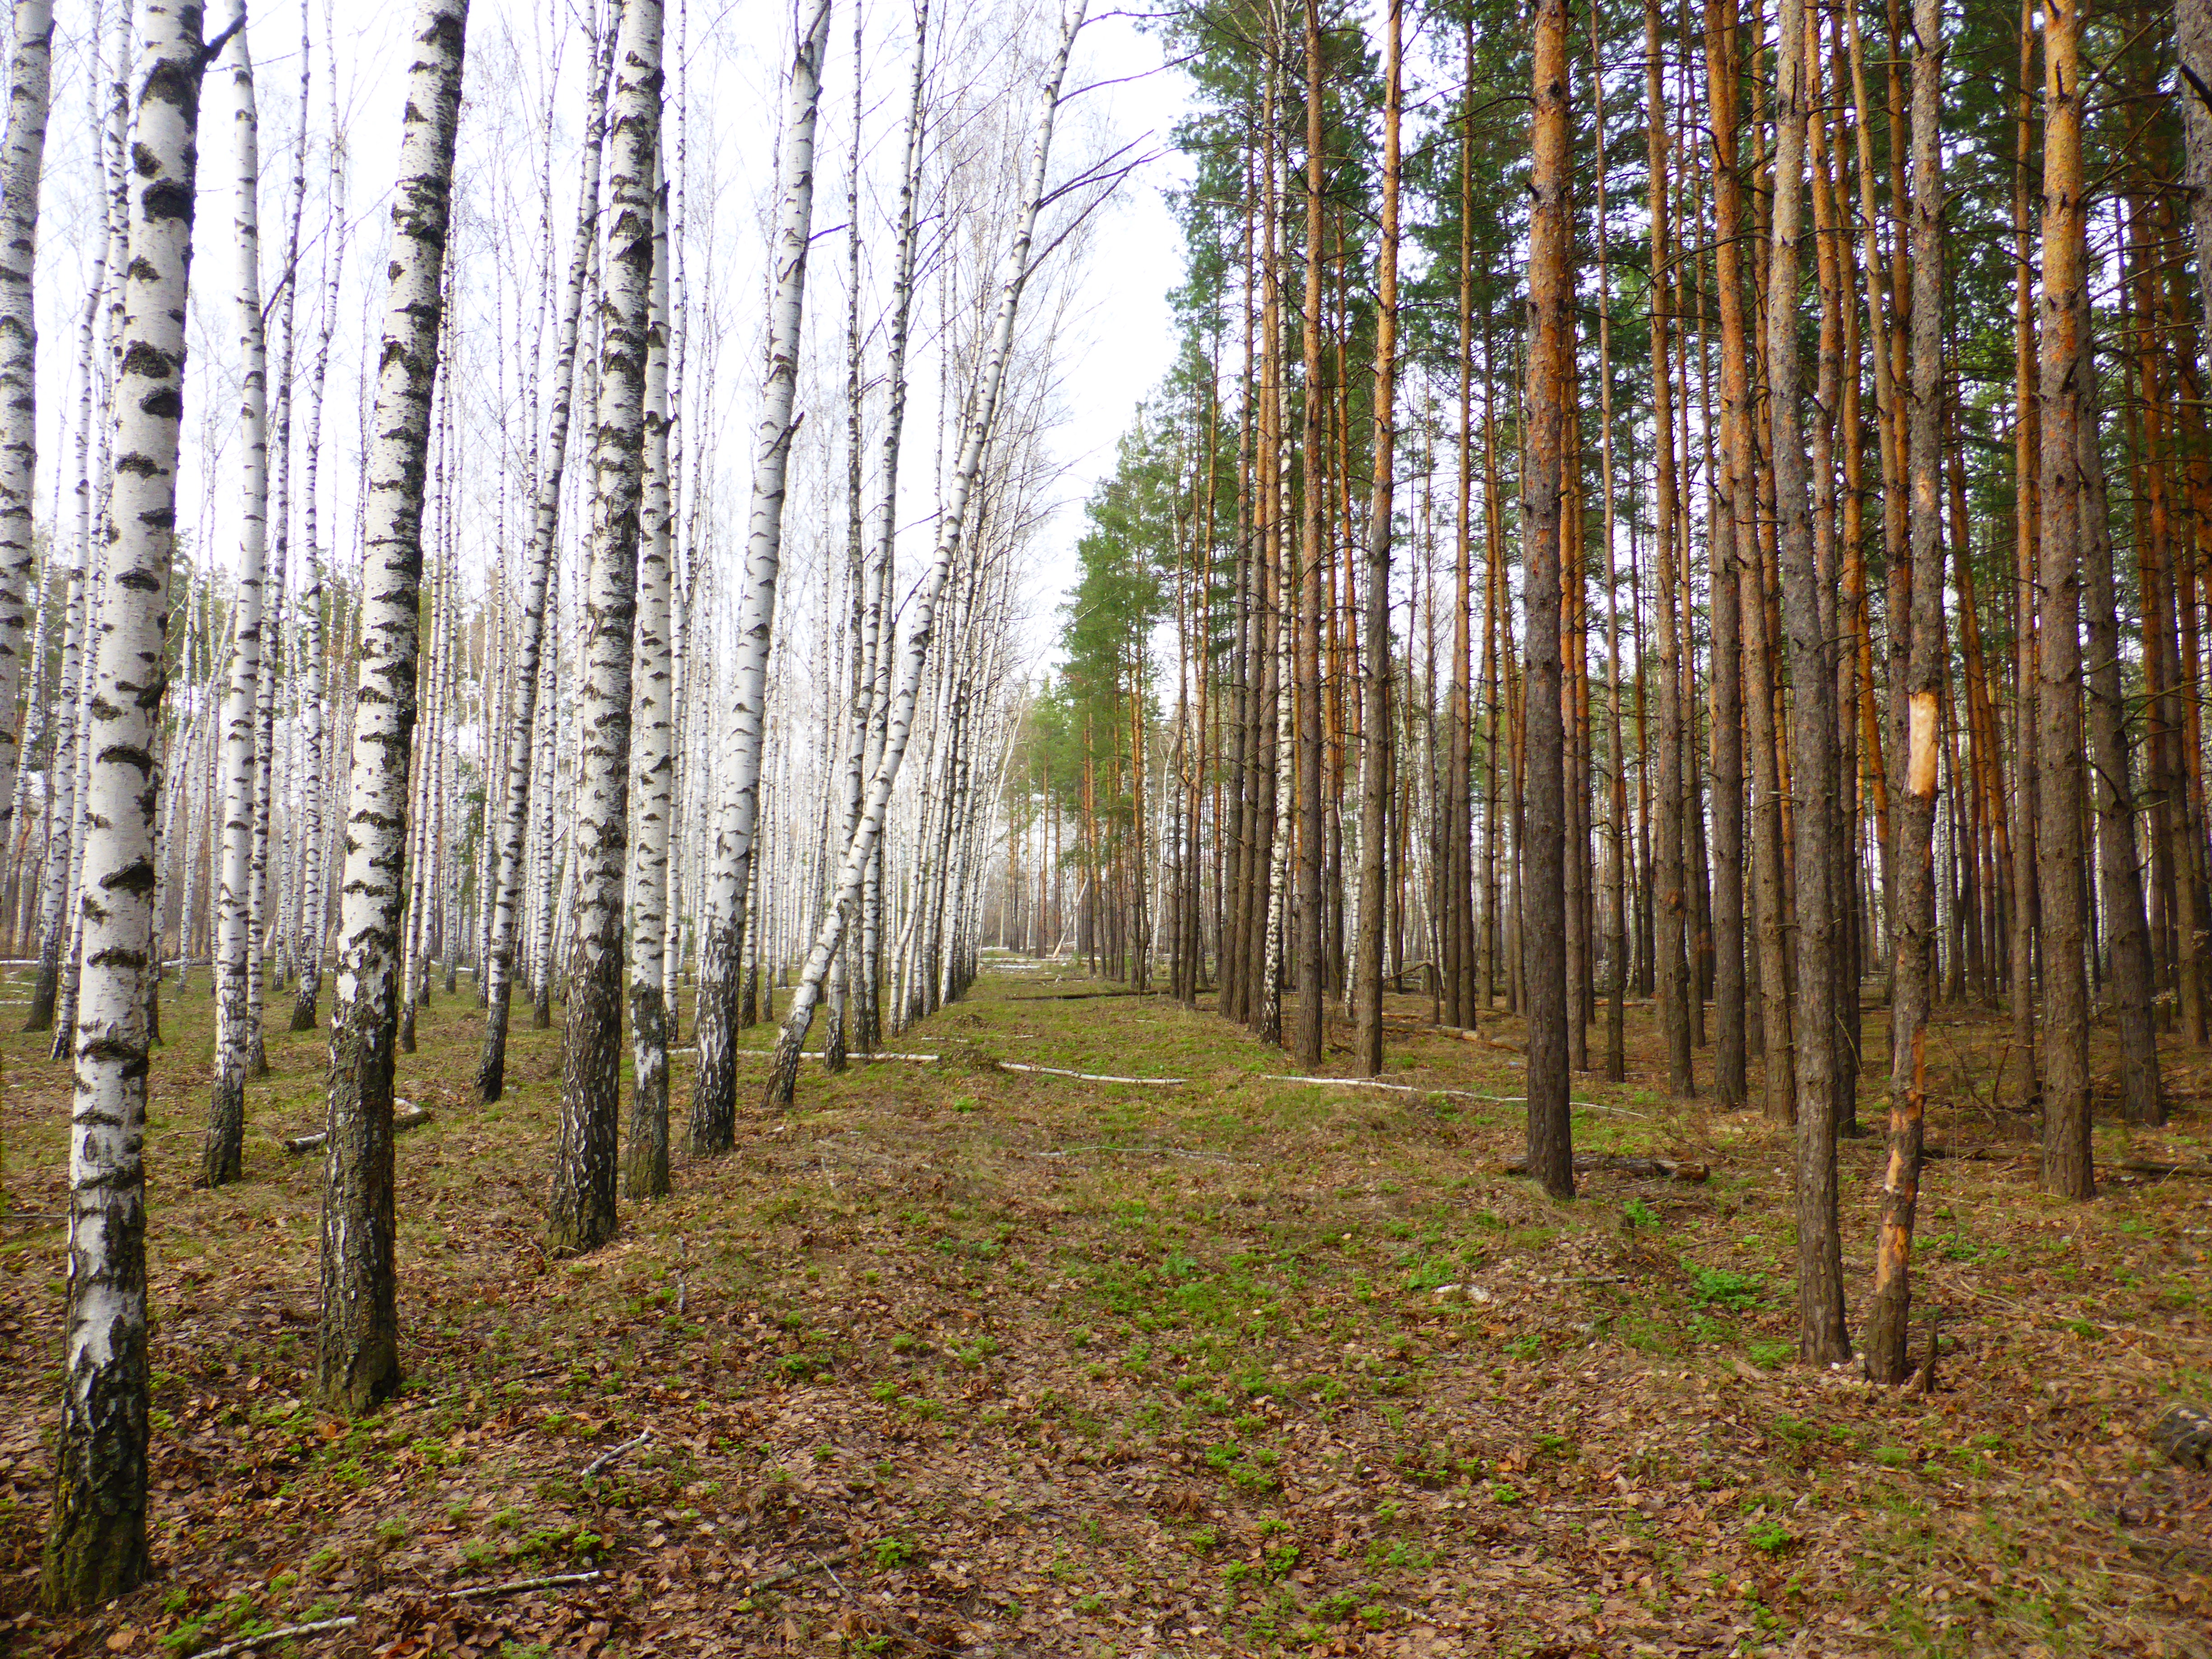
x: 525, y: 755
x: 2018, y: 1067
x: 979, y: 416
x: 64, y: 743
x: 653, y: 758
x: 2141, y: 1099
x: 317, y: 731
x: 358, y: 1346
x: 2069, y: 1167
x: 1674, y: 987
x: 23, y: 164
x: 96, y: 1531
x: 1616, y: 913
x: 1374, y: 711
x: 1313, y: 553
x: 1822, y: 1338
x: 1551, y: 307
x: 1913, y: 952
x: 713, y: 1089
x: 222, y: 1157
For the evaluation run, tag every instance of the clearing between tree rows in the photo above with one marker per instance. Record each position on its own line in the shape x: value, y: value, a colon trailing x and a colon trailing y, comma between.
x: 963, y: 1360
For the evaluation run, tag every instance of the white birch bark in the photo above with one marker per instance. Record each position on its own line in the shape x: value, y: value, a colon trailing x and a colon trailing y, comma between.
x: 652, y: 761
x: 22, y: 163
x: 713, y: 1110
x: 311, y: 606
x: 222, y: 1157
x: 537, y: 566
x: 581, y: 1213
x: 980, y: 417
x: 358, y: 1342
x: 96, y: 1544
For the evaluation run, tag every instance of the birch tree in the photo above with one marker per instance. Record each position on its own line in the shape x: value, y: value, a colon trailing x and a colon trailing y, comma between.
x: 357, y: 1344
x: 977, y: 424
x: 714, y: 1088
x: 524, y: 754
x: 96, y: 1538
x: 653, y: 758
x: 580, y: 1213
x: 223, y: 1160
x: 22, y: 161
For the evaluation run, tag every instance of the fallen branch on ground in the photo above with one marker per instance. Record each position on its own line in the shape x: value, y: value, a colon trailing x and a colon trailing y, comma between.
x: 1146, y: 1151
x: 612, y: 1453
x: 553, y: 1582
x: 405, y: 1116
x: 819, y: 1564
x: 1657, y: 1168
x: 2152, y: 1166
x: 1089, y: 1077
x: 248, y: 1643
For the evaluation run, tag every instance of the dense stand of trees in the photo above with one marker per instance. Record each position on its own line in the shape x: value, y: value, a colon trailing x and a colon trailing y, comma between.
x: 1751, y: 554
x: 439, y: 703
x: 1702, y: 504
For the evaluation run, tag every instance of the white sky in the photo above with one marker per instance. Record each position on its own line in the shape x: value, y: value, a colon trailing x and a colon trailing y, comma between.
x: 1121, y: 347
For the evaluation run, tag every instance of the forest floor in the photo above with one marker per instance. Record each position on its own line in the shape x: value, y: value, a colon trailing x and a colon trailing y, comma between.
x: 960, y: 1360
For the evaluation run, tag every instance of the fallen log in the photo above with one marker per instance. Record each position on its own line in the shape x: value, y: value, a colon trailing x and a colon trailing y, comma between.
x: 2183, y: 1432
x: 405, y: 1115
x: 1656, y: 1168
x: 2152, y: 1166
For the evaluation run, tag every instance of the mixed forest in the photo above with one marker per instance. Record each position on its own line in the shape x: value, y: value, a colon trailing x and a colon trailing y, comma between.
x: 1567, y: 1014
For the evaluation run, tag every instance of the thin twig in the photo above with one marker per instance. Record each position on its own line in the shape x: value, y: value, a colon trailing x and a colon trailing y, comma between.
x: 612, y: 1453
x: 518, y: 1586
x: 1143, y: 1151
x: 248, y: 1643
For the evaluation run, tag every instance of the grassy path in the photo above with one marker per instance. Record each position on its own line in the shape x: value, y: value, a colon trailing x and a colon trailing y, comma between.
x: 958, y: 1359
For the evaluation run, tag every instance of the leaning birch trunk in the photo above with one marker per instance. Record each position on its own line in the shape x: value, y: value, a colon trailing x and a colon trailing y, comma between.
x: 223, y: 1157
x: 783, y: 1073
x: 22, y: 161
x: 357, y: 1346
x: 538, y: 563
x: 652, y: 761
x: 581, y: 1213
x: 714, y: 1087
x: 96, y: 1542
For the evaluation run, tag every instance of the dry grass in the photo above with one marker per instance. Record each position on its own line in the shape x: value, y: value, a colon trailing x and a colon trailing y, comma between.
x: 958, y: 1360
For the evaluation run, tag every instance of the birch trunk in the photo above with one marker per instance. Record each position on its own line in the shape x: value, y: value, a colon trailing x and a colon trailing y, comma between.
x: 523, y: 753
x: 357, y: 1346
x: 979, y: 417
x: 580, y: 1213
x: 22, y: 163
x: 714, y: 1109
x: 96, y: 1541
x: 309, y: 950
x: 652, y: 759
x: 223, y: 1157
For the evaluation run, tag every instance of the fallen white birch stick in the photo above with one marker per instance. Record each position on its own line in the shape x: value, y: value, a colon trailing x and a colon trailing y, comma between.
x: 1090, y: 1077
